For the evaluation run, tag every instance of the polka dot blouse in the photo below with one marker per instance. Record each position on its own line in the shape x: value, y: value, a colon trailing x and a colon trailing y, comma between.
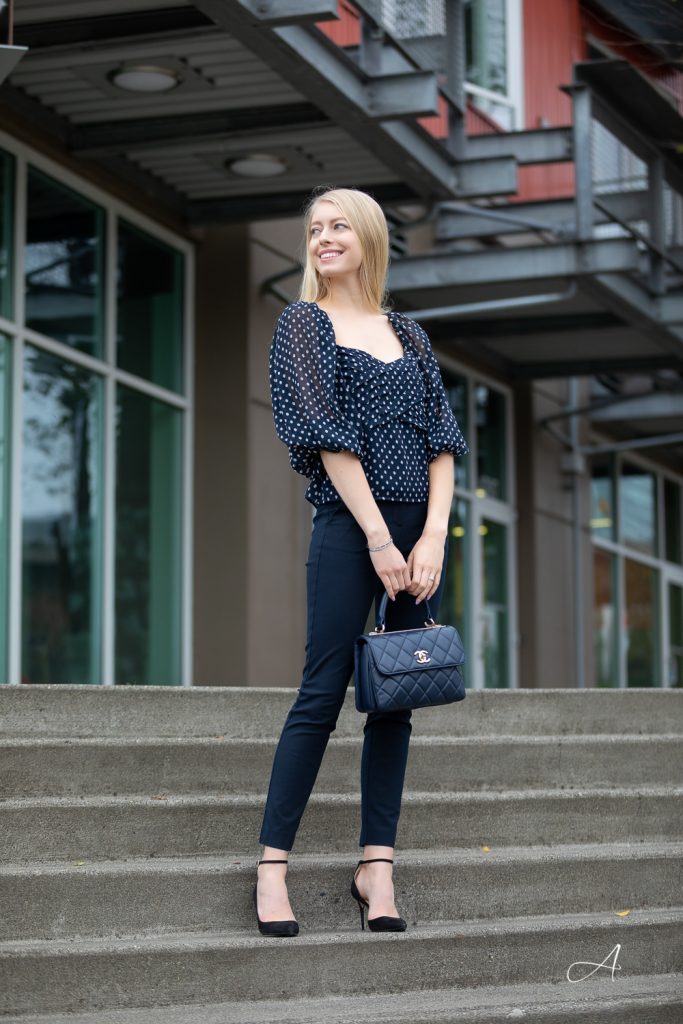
x: 394, y: 416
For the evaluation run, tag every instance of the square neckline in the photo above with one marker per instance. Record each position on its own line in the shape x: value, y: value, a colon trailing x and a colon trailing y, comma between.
x: 353, y: 348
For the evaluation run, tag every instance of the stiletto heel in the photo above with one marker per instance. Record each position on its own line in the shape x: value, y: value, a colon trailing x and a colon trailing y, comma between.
x: 284, y: 929
x: 377, y: 924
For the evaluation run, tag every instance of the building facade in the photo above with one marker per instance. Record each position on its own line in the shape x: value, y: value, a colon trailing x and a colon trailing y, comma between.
x: 152, y: 531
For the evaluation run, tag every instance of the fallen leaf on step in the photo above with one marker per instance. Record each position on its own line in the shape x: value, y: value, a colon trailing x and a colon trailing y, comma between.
x: 486, y: 849
x: 622, y: 913
x: 78, y: 863
x: 158, y: 798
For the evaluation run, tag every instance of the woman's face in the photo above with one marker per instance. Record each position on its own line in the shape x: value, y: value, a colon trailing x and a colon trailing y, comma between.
x: 334, y: 248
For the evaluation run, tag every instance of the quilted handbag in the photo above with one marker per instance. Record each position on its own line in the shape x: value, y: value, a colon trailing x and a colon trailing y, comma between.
x: 408, y: 668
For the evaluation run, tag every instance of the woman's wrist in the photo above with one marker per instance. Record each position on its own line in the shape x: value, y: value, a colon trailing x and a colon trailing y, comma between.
x: 377, y: 534
x: 435, y: 530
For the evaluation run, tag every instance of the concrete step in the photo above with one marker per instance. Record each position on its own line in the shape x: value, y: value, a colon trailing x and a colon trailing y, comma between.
x: 139, y: 898
x: 91, y: 767
x: 643, y: 999
x: 110, y: 828
x: 65, y: 976
x: 255, y: 712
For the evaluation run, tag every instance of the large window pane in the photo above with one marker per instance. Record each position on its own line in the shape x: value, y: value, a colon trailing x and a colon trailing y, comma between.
x: 61, y: 549
x: 6, y: 231
x: 494, y: 603
x: 673, y: 522
x: 638, y: 508
x: 64, y: 260
x: 491, y: 443
x: 605, y: 632
x: 148, y: 541
x: 642, y: 661
x: 150, y: 308
x: 675, y: 635
x: 5, y: 384
x: 603, y: 518
x: 455, y: 606
x: 456, y: 389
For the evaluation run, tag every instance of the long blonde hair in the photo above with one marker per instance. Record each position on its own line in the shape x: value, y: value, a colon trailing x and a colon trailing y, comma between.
x: 366, y: 218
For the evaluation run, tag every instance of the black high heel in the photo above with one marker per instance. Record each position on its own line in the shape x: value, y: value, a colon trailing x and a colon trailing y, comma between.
x: 283, y: 929
x: 378, y: 924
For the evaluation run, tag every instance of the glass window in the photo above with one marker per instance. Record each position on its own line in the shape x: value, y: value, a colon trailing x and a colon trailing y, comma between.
x: 61, y: 521
x: 485, y: 47
x: 5, y: 379
x: 456, y: 389
x: 148, y: 541
x: 454, y: 603
x: 63, y: 265
x: 605, y: 632
x: 603, y: 519
x: 6, y: 231
x: 638, y: 506
x: 491, y: 443
x: 675, y: 635
x: 673, y: 522
x: 642, y: 631
x: 150, y: 308
x: 494, y: 603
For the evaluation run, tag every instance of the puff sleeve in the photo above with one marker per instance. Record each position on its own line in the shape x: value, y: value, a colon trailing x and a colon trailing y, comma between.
x: 443, y: 431
x: 302, y: 390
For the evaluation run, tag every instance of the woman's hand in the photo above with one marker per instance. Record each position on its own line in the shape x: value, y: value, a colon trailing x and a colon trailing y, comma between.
x: 392, y: 569
x: 425, y: 561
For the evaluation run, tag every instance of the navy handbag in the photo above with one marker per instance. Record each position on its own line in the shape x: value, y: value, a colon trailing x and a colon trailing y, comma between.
x: 408, y: 668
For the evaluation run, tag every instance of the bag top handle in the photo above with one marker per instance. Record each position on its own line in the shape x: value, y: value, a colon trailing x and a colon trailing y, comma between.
x: 382, y: 614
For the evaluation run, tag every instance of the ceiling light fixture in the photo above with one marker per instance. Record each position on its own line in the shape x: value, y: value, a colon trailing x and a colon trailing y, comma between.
x: 256, y: 165
x: 144, y: 78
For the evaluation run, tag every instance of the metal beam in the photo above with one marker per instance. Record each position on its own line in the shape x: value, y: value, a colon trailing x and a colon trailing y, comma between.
x: 556, y: 216
x: 591, y: 367
x: 42, y: 35
x: 529, y: 263
x: 323, y: 72
x: 395, y: 97
x: 292, y: 12
x: 655, y: 405
x: 122, y: 136
x: 625, y: 298
x: 541, y: 146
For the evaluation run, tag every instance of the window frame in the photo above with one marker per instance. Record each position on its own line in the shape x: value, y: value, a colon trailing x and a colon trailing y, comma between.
x: 111, y: 375
x: 480, y: 508
x: 667, y: 572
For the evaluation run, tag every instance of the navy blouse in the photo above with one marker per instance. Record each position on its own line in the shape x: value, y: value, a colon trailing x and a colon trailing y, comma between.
x: 394, y: 416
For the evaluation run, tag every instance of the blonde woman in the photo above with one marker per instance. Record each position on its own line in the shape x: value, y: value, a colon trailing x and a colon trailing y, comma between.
x: 359, y: 401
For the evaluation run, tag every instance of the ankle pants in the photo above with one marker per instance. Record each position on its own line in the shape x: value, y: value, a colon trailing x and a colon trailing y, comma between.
x: 341, y: 586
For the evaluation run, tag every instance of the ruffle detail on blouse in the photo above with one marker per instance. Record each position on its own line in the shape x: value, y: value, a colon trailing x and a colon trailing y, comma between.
x: 380, y: 392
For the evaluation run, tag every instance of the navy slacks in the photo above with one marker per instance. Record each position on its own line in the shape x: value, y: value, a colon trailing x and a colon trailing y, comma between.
x: 341, y: 587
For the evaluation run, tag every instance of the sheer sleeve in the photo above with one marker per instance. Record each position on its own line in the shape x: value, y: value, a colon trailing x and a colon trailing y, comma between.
x: 302, y: 390
x: 444, y: 434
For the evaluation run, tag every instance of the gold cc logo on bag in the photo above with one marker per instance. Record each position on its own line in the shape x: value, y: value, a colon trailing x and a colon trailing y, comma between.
x: 422, y: 656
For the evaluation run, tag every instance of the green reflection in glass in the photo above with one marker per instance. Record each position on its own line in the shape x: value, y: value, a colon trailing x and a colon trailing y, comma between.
x: 603, y: 519
x: 454, y: 604
x: 456, y: 389
x: 605, y: 632
x: 6, y: 232
x: 486, y: 44
x: 673, y: 522
x: 61, y: 541
x: 5, y: 392
x: 638, y: 508
x: 642, y: 654
x: 675, y: 635
x: 491, y: 443
x: 148, y: 541
x: 64, y: 264
x: 495, y: 604
x: 150, y: 308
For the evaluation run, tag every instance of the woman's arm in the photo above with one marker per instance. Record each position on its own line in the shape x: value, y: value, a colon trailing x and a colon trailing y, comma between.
x: 349, y: 480
x: 426, y: 558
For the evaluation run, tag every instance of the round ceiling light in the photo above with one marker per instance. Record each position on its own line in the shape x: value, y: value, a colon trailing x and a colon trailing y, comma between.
x: 145, y: 78
x: 257, y: 165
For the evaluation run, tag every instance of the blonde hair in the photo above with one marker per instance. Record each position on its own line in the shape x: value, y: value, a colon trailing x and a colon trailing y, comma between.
x: 366, y: 218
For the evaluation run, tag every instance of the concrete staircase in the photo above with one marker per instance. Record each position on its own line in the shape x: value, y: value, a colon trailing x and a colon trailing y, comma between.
x: 531, y: 820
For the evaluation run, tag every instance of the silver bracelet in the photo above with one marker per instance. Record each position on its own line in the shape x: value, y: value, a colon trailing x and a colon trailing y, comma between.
x: 383, y: 546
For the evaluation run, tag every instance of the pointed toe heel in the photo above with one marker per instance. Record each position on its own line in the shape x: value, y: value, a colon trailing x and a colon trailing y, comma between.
x: 377, y: 924
x: 282, y: 929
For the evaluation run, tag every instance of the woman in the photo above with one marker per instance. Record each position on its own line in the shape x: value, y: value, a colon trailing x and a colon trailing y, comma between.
x: 359, y: 401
